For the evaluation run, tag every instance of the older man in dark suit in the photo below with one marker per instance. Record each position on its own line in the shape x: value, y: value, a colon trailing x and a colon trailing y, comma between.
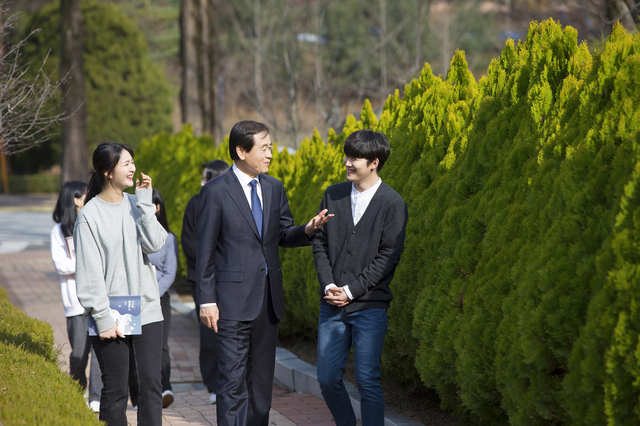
x: 243, y: 216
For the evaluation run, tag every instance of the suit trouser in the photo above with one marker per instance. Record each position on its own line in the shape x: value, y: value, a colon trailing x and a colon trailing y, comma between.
x: 208, y: 353
x: 246, y: 360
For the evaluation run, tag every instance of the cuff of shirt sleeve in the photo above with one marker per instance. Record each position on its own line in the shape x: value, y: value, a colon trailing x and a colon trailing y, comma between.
x: 346, y: 290
x: 205, y: 305
x: 328, y: 286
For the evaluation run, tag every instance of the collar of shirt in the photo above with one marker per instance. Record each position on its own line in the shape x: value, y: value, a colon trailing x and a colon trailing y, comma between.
x: 360, y: 200
x: 245, y: 181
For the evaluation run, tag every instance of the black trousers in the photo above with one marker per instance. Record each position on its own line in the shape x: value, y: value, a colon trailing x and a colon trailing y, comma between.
x: 165, y: 305
x: 246, y: 360
x: 208, y: 352
x: 113, y: 356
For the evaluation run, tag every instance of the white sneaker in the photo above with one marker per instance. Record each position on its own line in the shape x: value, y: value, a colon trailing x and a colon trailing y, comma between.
x: 95, y: 406
x: 212, y: 398
x: 167, y: 398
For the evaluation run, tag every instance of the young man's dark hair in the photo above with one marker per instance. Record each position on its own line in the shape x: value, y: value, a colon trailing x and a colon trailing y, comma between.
x: 242, y: 135
x: 369, y: 145
x: 213, y: 169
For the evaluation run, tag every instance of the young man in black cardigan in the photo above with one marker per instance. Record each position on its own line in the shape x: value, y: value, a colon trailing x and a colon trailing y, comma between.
x: 356, y: 255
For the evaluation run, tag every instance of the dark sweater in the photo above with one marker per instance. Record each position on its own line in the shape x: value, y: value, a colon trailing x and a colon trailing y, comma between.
x: 363, y: 256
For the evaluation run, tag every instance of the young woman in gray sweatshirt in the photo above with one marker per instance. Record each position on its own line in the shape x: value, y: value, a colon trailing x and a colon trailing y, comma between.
x: 114, y: 233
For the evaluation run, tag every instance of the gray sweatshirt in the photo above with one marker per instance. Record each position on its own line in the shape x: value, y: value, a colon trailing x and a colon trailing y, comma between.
x: 112, y: 242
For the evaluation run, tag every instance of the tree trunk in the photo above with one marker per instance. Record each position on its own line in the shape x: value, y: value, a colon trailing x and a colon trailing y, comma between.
x: 617, y: 10
x: 446, y: 39
x: 75, y: 164
x: 384, y: 92
x: 318, y: 20
x: 3, y: 158
x: 189, y: 102
x: 258, y: 52
x: 198, y: 94
x: 634, y: 8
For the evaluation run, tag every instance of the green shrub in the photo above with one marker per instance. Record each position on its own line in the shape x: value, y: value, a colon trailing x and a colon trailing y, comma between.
x: 126, y: 95
x: 22, y: 331
x: 40, y: 183
x: 516, y: 295
x: 33, y: 389
x: 33, y: 392
x: 173, y: 162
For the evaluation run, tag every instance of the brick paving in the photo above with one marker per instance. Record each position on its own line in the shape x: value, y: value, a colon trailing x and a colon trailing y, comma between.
x: 34, y: 287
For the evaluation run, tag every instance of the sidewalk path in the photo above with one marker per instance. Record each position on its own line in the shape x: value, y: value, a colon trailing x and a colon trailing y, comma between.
x: 27, y: 273
x: 34, y: 287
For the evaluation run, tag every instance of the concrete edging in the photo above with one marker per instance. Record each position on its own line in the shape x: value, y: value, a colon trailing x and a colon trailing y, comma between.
x: 293, y: 374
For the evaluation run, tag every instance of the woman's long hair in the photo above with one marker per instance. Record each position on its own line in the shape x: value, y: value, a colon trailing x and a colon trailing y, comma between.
x: 157, y: 199
x: 105, y: 159
x: 66, y: 212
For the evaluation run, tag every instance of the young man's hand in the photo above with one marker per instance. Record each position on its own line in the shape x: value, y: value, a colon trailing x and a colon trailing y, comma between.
x: 319, y: 220
x: 336, y: 296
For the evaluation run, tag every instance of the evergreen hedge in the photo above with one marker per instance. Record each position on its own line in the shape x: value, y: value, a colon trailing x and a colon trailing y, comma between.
x: 516, y: 298
x: 33, y: 389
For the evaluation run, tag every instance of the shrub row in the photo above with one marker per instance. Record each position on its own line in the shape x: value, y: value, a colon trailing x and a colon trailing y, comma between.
x: 33, y: 389
x: 39, y: 183
x: 516, y: 295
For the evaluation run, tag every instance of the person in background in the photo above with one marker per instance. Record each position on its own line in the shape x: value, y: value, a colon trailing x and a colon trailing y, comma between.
x: 356, y: 256
x: 166, y: 264
x: 70, y: 201
x: 208, y: 358
x: 114, y: 234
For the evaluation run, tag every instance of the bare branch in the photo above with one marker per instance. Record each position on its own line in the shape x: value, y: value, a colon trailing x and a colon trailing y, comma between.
x: 27, y: 109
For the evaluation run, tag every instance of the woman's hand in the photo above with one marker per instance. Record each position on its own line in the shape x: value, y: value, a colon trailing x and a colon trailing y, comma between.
x: 112, y: 333
x: 146, y: 182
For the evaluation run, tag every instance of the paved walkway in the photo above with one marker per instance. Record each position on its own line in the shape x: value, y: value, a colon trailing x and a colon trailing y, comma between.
x: 27, y: 273
x: 34, y: 287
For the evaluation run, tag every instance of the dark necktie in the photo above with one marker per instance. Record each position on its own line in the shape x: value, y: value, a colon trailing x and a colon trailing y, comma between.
x: 256, y: 208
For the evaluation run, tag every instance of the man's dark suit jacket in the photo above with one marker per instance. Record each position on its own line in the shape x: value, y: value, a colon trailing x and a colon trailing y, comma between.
x: 189, y: 238
x: 231, y: 256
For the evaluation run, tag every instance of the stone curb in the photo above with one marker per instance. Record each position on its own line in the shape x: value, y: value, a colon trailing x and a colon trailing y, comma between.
x: 293, y: 374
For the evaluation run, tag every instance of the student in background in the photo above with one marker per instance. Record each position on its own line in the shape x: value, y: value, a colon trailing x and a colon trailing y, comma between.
x: 208, y: 358
x: 70, y: 201
x: 114, y: 234
x: 166, y: 263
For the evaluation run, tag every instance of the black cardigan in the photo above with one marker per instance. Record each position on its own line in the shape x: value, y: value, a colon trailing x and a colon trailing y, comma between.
x: 363, y: 256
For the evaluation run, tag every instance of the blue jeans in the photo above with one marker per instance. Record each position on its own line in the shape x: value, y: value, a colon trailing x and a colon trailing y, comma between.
x: 336, y: 331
